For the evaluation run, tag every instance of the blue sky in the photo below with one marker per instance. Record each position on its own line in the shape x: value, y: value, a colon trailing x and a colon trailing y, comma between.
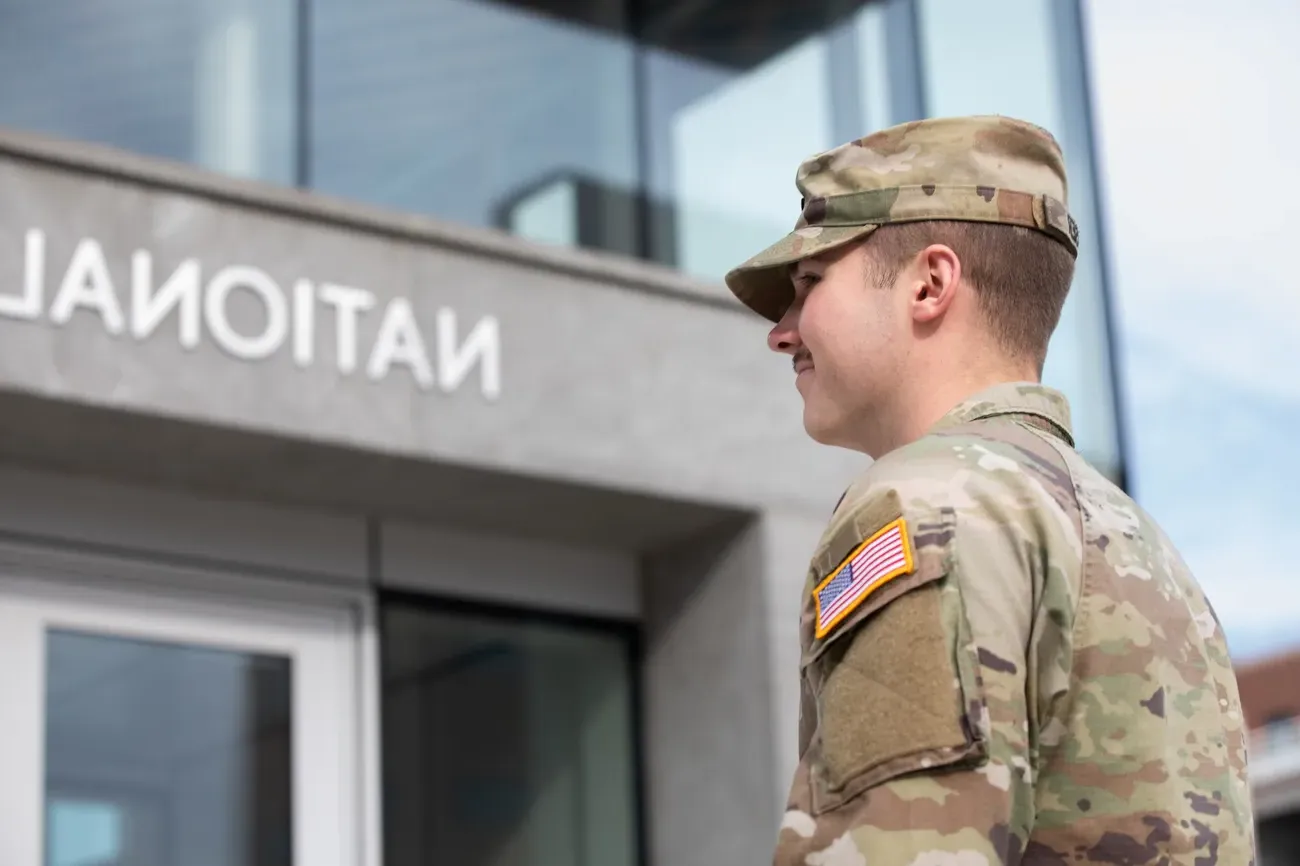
x: 1198, y: 127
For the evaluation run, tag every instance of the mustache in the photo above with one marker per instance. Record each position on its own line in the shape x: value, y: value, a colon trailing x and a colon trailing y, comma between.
x: 800, y: 357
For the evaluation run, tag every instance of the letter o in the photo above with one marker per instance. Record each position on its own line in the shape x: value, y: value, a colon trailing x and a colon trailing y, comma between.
x: 277, y: 313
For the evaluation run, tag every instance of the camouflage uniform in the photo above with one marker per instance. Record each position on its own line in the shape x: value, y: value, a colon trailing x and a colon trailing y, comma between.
x: 1005, y: 661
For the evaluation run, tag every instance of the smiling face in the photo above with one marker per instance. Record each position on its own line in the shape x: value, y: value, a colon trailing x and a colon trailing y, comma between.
x: 848, y: 336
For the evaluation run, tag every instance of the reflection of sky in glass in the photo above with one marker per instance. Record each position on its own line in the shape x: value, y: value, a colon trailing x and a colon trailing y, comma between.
x: 1198, y: 129
x: 736, y: 158
x: 158, y: 747
x: 965, y: 77
x: 208, y: 80
x: 456, y: 107
x: 83, y: 834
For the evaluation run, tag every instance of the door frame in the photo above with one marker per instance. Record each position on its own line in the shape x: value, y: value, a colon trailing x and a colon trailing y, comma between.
x: 329, y: 630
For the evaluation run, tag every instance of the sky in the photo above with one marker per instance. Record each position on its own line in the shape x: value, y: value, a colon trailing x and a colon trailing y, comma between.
x: 1197, y: 131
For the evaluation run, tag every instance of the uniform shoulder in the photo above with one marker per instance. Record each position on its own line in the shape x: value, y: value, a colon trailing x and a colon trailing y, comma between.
x: 975, y: 489
x: 959, y: 468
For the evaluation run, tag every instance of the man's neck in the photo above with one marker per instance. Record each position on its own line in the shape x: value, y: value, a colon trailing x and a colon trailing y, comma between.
x: 918, y: 411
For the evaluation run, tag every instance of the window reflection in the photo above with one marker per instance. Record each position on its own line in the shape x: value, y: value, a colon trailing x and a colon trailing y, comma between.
x: 479, y: 113
x: 157, y: 754
x: 723, y: 153
x: 506, y: 742
x: 212, y: 82
x: 83, y: 833
x: 724, y: 136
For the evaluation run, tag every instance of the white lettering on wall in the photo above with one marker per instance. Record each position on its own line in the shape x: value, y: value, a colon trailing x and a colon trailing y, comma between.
x: 29, y: 304
x: 304, y: 323
x: 215, y: 311
x: 149, y: 306
x: 482, y: 346
x: 348, y: 304
x: 280, y: 317
x: 86, y: 284
x: 399, y: 341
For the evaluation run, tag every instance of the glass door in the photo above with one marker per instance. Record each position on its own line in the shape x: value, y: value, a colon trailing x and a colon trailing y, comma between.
x: 139, y: 730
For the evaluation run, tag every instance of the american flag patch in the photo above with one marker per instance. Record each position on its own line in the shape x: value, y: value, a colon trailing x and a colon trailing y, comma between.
x: 873, y: 563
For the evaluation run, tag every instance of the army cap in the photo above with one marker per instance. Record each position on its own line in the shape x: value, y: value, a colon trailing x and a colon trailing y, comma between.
x: 982, y: 169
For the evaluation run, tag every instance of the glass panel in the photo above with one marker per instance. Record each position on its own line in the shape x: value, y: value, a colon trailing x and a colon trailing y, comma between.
x: 83, y: 833
x: 506, y: 743
x: 734, y: 102
x: 871, y: 30
x: 207, y: 81
x: 158, y: 754
x: 1279, y: 840
x: 1027, y: 76
x: 480, y: 113
x: 723, y: 158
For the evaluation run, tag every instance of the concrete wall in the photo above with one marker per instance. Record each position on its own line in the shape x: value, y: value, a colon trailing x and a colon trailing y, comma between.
x: 721, y: 618
x: 709, y: 727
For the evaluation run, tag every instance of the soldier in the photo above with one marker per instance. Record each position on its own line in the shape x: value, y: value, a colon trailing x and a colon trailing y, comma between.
x: 1004, y: 659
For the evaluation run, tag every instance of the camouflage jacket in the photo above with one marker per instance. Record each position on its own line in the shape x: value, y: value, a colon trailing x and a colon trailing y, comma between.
x: 1005, y: 661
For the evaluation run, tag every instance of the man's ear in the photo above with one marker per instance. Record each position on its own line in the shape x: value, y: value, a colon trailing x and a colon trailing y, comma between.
x: 936, y: 275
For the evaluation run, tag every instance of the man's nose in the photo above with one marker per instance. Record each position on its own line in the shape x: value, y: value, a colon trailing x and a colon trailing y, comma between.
x: 784, y: 337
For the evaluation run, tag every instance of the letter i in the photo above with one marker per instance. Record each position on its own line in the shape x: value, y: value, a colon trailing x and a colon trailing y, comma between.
x: 304, y: 323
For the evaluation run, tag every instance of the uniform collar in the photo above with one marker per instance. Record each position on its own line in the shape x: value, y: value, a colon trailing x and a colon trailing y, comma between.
x: 1014, y: 398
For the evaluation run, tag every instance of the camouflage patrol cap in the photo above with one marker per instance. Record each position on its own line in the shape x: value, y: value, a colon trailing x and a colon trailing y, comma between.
x: 982, y: 169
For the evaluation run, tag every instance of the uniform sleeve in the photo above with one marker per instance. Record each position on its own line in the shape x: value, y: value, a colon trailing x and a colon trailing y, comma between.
x: 924, y: 688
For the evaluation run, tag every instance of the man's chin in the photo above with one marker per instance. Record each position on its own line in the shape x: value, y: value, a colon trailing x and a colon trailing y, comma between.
x: 820, y: 428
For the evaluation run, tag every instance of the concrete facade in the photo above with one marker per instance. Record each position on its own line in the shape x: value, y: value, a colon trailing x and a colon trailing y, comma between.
x: 312, y: 391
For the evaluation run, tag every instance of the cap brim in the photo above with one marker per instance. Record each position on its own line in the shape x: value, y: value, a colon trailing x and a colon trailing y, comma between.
x: 763, y: 282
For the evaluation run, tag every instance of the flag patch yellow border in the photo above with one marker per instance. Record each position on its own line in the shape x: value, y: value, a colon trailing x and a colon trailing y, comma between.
x: 875, y: 562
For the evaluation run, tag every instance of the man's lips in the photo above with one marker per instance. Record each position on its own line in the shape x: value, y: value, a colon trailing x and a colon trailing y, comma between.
x: 802, y: 363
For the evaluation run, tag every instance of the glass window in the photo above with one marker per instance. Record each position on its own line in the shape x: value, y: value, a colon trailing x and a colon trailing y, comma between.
x: 1035, y: 74
x: 211, y: 82
x: 506, y: 742
x: 723, y: 158
x: 161, y: 753
x: 480, y: 113
x: 732, y: 110
x: 1279, y: 839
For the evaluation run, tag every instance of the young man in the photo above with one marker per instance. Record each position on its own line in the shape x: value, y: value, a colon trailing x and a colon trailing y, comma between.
x: 1005, y: 661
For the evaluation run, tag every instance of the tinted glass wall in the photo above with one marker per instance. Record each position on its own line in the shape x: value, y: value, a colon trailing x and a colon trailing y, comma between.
x: 213, y: 82
x: 668, y: 130
x: 507, y: 740
x: 482, y: 113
